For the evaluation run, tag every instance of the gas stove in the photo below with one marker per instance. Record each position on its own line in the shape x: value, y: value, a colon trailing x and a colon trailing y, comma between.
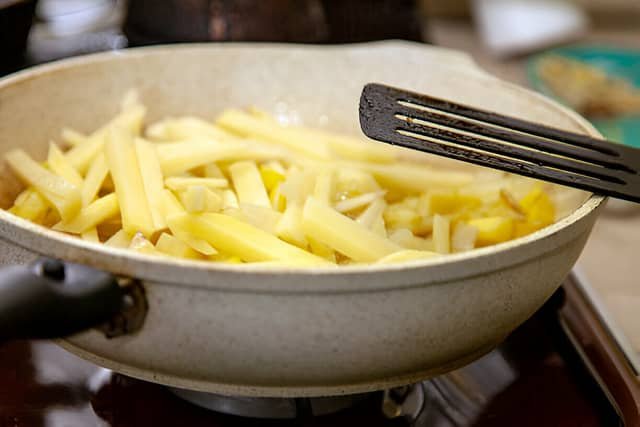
x: 535, y: 378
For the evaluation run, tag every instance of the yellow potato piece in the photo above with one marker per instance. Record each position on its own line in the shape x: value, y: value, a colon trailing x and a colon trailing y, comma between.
x: 97, y: 173
x: 119, y: 240
x: 248, y: 184
x: 140, y: 244
x: 152, y: 180
x: 91, y: 235
x: 30, y: 205
x: 176, y: 158
x: 173, y: 207
x: 441, y: 234
x: 289, y: 228
x: 407, y: 255
x: 83, y: 154
x: 234, y: 237
x: 59, y: 165
x: 271, y: 175
x: 448, y: 203
x: 294, y: 139
x: 278, y: 201
x: 178, y: 183
x: 198, y: 198
x: 173, y: 246
x: 92, y: 215
x: 62, y: 194
x: 324, y: 187
x: 129, y: 188
x: 493, y: 230
x: 343, y: 234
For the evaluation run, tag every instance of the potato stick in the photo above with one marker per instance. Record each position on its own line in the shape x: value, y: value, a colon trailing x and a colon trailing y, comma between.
x: 91, y: 235
x: 441, y: 231
x: 30, y: 205
x: 358, y: 202
x: 96, y: 175
x: 125, y: 172
x: 59, y: 165
x: 229, y: 200
x: 82, y: 155
x: 322, y: 250
x: 463, y: 237
x: 72, y: 137
x: 493, y: 230
x: 92, y: 215
x: 379, y: 227
x: 171, y: 245
x: 235, y: 237
x: 173, y: 207
x: 413, y: 178
x: 140, y: 244
x: 152, y: 180
x: 264, y: 218
x: 407, y: 255
x: 289, y: 227
x: 248, y: 184
x: 344, y: 234
x: 373, y: 211
x: 324, y: 187
x: 180, y: 157
x: 186, y: 128
x: 119, y: 240
x: 63, y: 195
x: 293, y: 139
x: 177, y: 183
x: 212, y: 170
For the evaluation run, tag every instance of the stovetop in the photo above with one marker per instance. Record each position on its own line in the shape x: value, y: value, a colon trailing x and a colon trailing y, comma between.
x: 536, y: 378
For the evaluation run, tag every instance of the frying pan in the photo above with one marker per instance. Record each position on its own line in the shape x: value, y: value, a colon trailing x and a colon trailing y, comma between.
x: 259, y: 331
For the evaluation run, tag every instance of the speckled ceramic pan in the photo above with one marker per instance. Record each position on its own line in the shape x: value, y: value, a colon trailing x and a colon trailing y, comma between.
x: 244, y: 330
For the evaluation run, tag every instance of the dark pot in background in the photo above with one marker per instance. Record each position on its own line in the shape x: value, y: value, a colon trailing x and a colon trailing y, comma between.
x: 16, y: 17
x: 298, y: 21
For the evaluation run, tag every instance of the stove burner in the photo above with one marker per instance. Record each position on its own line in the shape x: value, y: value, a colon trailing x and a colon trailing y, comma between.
x: 271, y: 407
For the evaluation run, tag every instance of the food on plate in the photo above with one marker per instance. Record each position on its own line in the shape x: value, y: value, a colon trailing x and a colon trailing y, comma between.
x: 588, y: 89
x: 243, y: 188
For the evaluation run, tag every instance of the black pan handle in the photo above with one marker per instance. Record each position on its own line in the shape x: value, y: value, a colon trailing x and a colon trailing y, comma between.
x: 52, y: 299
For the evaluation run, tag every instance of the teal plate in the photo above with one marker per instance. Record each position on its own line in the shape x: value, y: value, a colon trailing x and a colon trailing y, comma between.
x: 623, y: 63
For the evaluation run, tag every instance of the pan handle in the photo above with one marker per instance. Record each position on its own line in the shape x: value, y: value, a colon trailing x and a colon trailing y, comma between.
x: 52, y: 299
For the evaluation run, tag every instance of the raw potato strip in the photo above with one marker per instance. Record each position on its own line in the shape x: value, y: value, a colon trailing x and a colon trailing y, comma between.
x: 96, y: 175
x: 240, y: 239
x: 173, y: 207
x: 125, y: 173
x: 91, y: 235
x: 248, y: 184
x: 152, y: 180
x: 119, y: 240
x: 177, y: 183
x: 92, y: 215
x: 82, y: 155
x: 63, y: 195
x: 185, y: 128
x: 59, y: 165
x: 369, y: 216
x: 357, y: 202
x: 171, y: 245
x: 30, y: 205
x: 344, y: 234
x: 176, y: 158
x: 324, y: 188
x: 407, y: 255
x: 140, y: 244
x: 290, y: 138
x: 413, y: 178
x: 441, y: 241
x: 289, y: 228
